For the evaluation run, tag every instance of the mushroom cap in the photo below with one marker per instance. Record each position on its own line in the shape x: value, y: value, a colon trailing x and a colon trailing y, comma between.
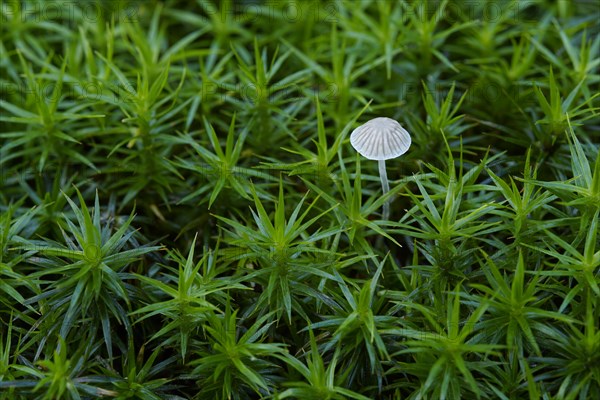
x: 381, y: 138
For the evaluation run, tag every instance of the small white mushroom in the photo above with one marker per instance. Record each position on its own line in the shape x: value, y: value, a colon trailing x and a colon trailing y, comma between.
x: 381, y: 139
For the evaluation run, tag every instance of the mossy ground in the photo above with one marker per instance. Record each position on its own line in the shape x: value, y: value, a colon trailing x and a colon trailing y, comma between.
x: 182, y: 214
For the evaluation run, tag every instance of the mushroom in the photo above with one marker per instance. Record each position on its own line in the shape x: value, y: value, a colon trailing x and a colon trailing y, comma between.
x: 381, y: 139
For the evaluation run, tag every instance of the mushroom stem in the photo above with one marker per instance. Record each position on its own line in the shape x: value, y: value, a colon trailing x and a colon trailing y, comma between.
x: 386, y: 188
